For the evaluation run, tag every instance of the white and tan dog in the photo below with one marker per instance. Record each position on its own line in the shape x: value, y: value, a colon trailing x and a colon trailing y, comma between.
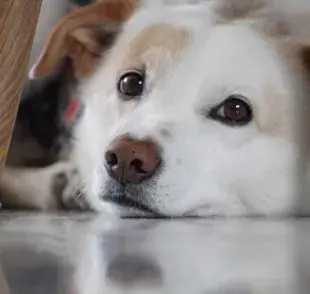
x: 196, y: 110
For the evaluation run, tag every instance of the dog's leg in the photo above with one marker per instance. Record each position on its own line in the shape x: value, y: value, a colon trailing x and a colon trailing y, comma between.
x: 39, y: 188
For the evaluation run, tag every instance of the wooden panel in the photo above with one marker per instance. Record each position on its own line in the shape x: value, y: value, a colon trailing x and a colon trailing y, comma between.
x: 18, y: 19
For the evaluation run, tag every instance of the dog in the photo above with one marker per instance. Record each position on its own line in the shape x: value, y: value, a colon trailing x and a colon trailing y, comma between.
x: 197, y: 109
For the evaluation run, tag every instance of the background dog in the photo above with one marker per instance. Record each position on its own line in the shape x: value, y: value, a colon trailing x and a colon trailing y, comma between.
x: 42, y: 131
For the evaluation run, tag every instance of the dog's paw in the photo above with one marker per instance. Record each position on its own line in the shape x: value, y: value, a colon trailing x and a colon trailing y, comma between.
x: 66, y: 186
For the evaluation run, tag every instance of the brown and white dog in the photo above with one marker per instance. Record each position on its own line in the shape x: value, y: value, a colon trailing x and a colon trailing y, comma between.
x: 197, y: 109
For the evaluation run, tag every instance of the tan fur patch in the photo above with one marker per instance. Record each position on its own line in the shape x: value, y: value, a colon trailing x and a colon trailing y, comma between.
x: 154, y: 42
x: 276, y: 117
x: 75, y: 35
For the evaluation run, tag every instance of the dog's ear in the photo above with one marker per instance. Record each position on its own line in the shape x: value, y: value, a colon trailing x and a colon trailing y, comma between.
x: 82, y: 35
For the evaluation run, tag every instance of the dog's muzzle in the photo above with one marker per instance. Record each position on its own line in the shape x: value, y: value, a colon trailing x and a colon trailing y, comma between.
x: 131, y: 200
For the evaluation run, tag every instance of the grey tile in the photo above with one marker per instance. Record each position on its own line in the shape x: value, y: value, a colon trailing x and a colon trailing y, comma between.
x: 85, y: 253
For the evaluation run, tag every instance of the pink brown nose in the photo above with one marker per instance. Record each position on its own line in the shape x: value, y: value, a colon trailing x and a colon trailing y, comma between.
x: 131, y: 161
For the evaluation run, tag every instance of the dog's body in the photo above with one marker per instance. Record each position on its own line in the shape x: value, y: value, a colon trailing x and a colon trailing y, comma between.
x: 196, y: 110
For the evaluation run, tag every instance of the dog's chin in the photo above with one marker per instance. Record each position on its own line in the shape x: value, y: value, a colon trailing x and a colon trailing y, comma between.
x: 127, y: 201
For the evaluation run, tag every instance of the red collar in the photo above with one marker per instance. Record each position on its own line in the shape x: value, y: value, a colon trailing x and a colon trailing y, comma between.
x: 73, y: 107
x: 72, y: 110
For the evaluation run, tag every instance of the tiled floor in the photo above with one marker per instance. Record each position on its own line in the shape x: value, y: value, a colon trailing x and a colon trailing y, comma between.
x: 75, y: 254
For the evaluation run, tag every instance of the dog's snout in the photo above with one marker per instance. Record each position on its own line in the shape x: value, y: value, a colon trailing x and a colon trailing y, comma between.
x: 131, y: 161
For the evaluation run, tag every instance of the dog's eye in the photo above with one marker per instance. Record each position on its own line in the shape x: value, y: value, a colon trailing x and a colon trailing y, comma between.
x: 131, y: 85
x: 233, y: 111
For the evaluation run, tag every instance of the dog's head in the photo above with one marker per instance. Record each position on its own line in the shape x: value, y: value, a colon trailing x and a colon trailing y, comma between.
x: 195, y: 110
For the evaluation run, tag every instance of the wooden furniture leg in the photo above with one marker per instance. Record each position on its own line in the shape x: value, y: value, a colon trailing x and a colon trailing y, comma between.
x: 18, y: 19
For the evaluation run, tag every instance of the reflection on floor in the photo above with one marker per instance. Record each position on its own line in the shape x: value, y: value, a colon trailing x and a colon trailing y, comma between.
x: 88, y: 254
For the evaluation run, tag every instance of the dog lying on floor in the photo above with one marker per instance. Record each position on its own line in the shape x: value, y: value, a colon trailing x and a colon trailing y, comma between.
x: 194, y: 110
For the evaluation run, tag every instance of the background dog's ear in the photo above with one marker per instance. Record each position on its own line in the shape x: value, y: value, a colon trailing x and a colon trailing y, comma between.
x: 82, y: 35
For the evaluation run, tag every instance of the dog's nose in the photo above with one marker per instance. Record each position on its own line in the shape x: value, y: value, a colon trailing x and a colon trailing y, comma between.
x: 131, y: 161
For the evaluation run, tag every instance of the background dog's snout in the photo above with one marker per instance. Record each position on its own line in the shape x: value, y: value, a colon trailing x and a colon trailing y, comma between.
x: 131, y: 161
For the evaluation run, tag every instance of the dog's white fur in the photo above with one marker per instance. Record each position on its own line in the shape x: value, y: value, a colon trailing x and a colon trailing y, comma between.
x: 209, y: 168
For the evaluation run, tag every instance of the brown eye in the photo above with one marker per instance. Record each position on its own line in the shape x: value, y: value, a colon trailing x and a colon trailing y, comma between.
x: 233, y: 111
x: 131, y: 85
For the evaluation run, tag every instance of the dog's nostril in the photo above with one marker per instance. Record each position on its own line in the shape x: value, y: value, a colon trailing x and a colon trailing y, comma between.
x: 111, y: 159
x: 137, y: 166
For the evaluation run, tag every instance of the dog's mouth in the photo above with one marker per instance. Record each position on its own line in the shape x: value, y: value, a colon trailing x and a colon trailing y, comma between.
x: 126, y: 202
x: 120, y: 197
